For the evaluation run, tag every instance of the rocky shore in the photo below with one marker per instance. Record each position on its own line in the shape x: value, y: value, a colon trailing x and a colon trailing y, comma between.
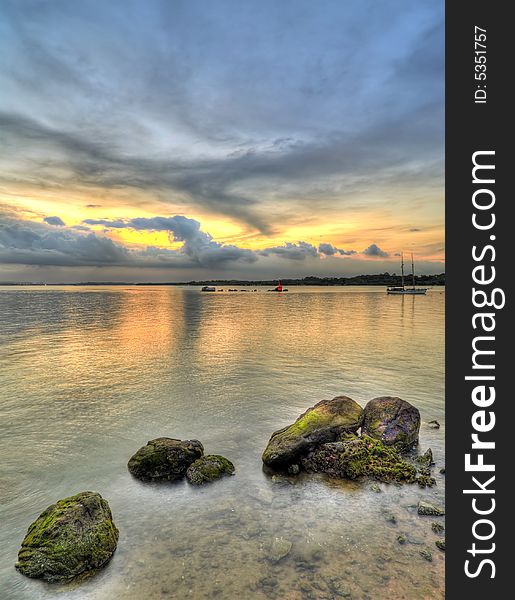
x: 337, y: 438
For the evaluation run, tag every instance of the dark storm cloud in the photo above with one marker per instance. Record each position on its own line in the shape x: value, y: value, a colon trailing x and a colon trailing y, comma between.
x: 27, y: 242
x: 31, y: 243
x: 374, y: 250
x: 330, y: 250
x: 57, y: 221
x: 298, y: 251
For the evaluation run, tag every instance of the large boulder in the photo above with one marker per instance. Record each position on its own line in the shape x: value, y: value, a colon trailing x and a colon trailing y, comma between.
x: 393, y: 421
x: 164, y: 459
x: 70, y: 537
x: 324, y: 422
x: 208, y: 468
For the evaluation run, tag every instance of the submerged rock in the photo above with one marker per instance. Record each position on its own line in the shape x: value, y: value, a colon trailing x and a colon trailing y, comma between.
x: 427, y: 555
x: 440, y: 544
x: 324, y: 422
x: 393, y: 421
x: 70, y: 537
x: 360, y: 457
x: 280, y: 548
x: 164, y: 459
x: 427, y: 509
x: 208, y: 468
x: 437, y: 527
x: 425, y: 459
x: 424, y: 478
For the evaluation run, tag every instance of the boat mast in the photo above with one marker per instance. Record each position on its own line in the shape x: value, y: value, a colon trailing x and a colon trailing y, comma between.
x: 402, y: 270
x: 412, y: 270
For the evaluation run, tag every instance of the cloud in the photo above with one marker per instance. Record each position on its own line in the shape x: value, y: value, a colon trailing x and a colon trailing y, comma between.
x: 197, y: 245
x: 374, y: 250
x: 30, y: 243
x: 330, y: 250
x: 277, y: 115
x: 56, y: 221
x: 298, y: 251
x: 173, y: 103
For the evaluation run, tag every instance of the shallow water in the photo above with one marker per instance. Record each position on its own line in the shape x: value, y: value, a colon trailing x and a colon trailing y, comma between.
x: 88, y: 375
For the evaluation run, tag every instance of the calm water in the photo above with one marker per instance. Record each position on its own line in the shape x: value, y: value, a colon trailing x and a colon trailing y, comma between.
x: 88, y: 375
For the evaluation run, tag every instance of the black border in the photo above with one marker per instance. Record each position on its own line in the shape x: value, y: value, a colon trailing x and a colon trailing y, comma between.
x: 471, y: 127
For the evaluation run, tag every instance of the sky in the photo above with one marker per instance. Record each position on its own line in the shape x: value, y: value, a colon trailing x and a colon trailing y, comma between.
x: 173, y: 140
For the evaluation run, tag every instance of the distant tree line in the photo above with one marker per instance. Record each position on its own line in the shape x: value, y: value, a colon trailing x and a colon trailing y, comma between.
x: 389, y: 279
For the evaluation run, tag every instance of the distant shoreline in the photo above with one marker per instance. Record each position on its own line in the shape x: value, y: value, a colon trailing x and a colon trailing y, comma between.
x: 382, y: 279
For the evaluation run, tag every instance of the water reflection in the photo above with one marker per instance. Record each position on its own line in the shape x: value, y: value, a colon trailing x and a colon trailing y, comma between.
x: 89, y: 375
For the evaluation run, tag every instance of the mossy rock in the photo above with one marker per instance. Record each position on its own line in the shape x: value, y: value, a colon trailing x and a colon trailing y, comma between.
x: 393, y: 421
x: 208, y: 468
x: 73, y: 536
x: 325, y: 422
x: 430, y: 510
x: 164, y: 459
x: 440, y: 544
x: 360, y: 457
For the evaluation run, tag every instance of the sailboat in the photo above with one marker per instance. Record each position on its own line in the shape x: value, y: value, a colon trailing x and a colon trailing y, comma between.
x: 414, y: 291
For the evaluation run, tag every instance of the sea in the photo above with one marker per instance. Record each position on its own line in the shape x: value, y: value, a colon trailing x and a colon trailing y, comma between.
x: 89, y: 374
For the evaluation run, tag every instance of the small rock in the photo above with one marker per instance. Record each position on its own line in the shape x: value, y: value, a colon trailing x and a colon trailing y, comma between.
x: 442, y: 470
x: 425, y: 459
x: 375, y: 488
x: 437, y: 527
x: 261, y: 495
x: 427, y: 509
x: 390, y: 518
x: 164, y: 459
x: 434, y: 424
x: 307, y: 555
x: 294, y: 469
x: 268, y: 582
x: 440, y: 544
x: 280, y: 548
x: 402, y: 539
x: 208, y: 468
x: 415, y: 541
x: 426, y: 555
x: 339, y: 588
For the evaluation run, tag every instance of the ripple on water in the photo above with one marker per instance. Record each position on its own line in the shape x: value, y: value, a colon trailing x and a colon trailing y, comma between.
x: 91, y: 375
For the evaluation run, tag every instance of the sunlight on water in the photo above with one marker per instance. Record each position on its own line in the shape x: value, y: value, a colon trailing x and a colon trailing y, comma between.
x: 90, y: 374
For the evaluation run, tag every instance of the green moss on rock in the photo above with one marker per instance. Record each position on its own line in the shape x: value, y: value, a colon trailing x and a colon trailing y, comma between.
x: 325, y: 422
x: 208, y: 468
x: 428, y: 509
x: 360, y: 457
x: 70, y: 537
x: 164, y: 459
